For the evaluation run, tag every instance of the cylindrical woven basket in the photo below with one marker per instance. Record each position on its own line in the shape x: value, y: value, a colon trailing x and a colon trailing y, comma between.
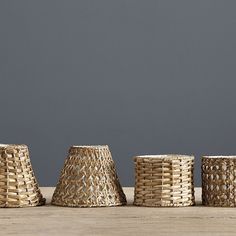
x: 164, y: 180
x: 89, y: 179
x: 18, y: 185
x: 219, y: 181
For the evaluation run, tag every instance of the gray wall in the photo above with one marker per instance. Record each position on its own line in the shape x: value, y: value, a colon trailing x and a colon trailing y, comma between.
x: 141, y: 76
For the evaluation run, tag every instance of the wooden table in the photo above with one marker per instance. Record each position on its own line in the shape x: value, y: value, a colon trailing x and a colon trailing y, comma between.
x: 128, y: 220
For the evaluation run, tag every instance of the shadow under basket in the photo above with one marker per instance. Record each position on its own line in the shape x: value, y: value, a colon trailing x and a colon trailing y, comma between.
x: 89, y: 179
x: 219, y: 181
x: 164, y: 180
x: 18, y: 185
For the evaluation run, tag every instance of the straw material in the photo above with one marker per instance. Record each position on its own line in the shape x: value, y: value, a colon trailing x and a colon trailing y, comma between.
x: 218, y: 181
x: 89, y: 179
x: 164, y: 180
x: 18, y: 185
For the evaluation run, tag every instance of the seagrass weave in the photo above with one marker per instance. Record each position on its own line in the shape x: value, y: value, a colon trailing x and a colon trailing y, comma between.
x: 164, y: 180
x: 219, y: 181
x: 88, y: 179
x: 18, y: 185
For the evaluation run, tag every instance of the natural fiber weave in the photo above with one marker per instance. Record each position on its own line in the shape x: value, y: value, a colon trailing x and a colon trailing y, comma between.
x: 219, y: 181
x: 164, y: 180
x: 18, y: 185
x: 88, y: 179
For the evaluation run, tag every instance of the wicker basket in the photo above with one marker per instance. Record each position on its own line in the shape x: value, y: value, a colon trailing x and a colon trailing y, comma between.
x: 219, y: 181
x: 164, y: 180
x: 18, y: 185
x: 89, y: 179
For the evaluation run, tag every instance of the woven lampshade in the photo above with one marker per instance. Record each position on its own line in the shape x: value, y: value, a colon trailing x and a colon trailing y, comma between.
x: 18, y: 185
x: 88, y: 179
x: 219, y: 181
x: 164, y: 180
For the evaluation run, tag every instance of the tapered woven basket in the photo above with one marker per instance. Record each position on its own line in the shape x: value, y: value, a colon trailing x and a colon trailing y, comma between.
x: 88, y: 179
x: 164, y: 180
x: 18, y: 185
x: 219, y: 181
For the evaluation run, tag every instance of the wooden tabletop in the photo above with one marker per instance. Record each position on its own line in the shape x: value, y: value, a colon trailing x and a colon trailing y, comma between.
x: 124, y: 220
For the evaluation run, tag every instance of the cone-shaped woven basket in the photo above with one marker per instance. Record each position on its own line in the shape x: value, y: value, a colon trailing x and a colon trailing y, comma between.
x: 164, y: 180
x: 88, y: 179
x: 18, y: 185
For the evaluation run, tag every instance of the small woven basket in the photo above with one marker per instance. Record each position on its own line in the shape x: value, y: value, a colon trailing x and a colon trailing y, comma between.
x: 164, y: 180
x: 219, y: 181
x: 89, y: 179
x: 18, y: 185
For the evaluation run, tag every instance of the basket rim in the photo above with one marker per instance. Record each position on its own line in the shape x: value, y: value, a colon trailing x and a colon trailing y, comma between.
x: 220, y: 157
x: 164, y: 156
x: 89, y: 146
x: 7, y: 146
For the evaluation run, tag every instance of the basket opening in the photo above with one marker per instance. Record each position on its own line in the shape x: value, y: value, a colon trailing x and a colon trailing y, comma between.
x: 163, y: 156
x: 89, y: 146
x: 221, y: 156
x: 4, y: 145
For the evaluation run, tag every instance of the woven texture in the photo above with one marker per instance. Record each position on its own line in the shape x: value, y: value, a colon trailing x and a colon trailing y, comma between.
x: 18, y: 185
x: 218, y: 181
x: 88, y: 179
x: 164, y: 180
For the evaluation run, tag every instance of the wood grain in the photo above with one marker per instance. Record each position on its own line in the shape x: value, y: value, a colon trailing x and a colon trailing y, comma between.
x: 124, y: 220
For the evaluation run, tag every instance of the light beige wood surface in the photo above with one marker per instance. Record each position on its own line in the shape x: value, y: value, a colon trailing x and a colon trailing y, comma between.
x: 128, y: 220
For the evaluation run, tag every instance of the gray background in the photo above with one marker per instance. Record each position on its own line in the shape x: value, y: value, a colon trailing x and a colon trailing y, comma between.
x: 144, y: 77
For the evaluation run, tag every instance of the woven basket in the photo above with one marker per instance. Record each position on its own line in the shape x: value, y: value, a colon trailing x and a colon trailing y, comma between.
x: 219, y: 181
x: 164, y: 180
x: 88, y: 179
x: 18, y: 185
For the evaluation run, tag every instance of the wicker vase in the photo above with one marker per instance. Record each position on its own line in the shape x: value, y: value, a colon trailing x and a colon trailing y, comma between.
x: 88, y: 179
x: 219, y: 181
x: 164, y: 180
x: 18, y: 185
